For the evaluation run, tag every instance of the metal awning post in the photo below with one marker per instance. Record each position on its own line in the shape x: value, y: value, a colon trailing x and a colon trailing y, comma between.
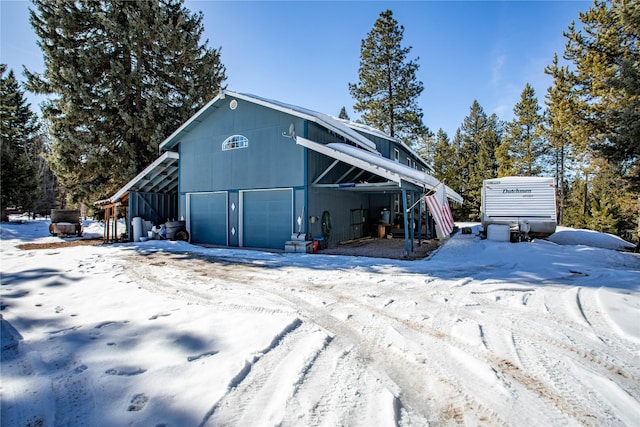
x: 412, y: 231
x: 419, y: 221
x: 406, y: 223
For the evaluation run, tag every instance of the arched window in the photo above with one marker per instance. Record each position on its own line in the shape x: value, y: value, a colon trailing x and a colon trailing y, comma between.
x: 235, y: 141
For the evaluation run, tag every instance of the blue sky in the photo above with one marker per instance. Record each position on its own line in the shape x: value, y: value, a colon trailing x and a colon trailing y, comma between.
x: 306, y: 52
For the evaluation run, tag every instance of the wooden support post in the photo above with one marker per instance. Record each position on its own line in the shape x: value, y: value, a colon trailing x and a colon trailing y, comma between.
x: 105, y: 232
x: 115, y: 223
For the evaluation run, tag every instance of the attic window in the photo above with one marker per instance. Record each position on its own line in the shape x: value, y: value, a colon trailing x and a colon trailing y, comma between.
x: 234, y: 142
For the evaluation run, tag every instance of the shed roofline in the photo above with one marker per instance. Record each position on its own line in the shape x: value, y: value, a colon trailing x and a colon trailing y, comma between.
x: 149, y: 169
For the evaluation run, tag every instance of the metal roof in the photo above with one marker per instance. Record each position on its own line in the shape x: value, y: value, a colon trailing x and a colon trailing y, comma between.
x: 380, y: 134
x: 378, y: 165
x: 161, y: 176
x: 331, y: 123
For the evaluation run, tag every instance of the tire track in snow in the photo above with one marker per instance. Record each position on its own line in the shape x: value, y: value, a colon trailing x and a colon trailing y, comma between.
x: 416, y: 381
x: 532, y: 362
x: 260, y: 392
x: 533, y: 319
x: 412, y: 394
x: 168, y: 281
x: 590, y: 340
x: 333, y: 394
x: 563, y: 401
x: 543, y: 357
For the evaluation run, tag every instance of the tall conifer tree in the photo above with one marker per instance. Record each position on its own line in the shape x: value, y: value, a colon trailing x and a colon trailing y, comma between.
x: 444, y: 159
x: 388, y: 89
x: 605, y: 83
x: 425, y: 147
x: 522, y: 148
x: 122, y: 75
x: 597, y: 95
x: 476, y: 142
x: 18, y: 146
x: 491, y: 139
x: 557, y: 131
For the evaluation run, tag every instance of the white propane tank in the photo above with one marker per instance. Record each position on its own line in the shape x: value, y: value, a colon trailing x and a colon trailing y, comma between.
x: 137, y: 228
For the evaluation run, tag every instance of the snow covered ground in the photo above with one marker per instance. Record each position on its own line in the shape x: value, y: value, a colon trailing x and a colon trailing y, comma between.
x: 172, y: 334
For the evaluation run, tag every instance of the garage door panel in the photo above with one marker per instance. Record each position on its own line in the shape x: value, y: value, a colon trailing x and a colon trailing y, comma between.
x: 267, y: 218
x: 208, y: 218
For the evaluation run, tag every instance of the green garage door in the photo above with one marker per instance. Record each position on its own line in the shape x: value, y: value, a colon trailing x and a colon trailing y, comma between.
x: 266, y: 218
x: 208, y: 218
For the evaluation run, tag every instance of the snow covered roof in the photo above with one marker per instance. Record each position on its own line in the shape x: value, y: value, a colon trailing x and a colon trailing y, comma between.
x: 380, y: 134
x: 376, y: 164
x: 331, y: 123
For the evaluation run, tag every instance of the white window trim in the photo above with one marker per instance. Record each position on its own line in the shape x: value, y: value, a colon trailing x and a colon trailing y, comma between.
x: 231, y: 143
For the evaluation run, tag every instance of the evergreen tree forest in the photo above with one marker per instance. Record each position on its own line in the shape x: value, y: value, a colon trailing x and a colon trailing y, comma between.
x: 586, y: 133
x: 19, y: 135
x: 120, y: 76
x: 28, y: 184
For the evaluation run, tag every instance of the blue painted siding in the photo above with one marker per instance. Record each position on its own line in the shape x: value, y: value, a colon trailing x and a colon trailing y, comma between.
x: 339, y: 204
x: 270, y: 160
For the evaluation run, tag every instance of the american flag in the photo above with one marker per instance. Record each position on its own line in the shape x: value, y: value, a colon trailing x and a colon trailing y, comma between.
x: 439, y: 209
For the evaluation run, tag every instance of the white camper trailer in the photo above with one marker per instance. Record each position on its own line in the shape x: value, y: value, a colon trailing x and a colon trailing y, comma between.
x: 526, y: 204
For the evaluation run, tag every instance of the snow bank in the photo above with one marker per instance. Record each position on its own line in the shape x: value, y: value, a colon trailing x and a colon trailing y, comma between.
x: 570, y: 236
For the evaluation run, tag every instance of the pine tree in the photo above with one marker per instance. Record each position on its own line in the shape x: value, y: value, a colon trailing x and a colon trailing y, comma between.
x: 455, y: 179
x: 597, y: 104
x: 444, y: 158
x: 477, y: 140
x: 51, y: 194
x: 425, y: 147
x: 576, y: 210
x: 605, y: 83
x: 623, y: 141
x: 343, y: 114
x: 18, y: 136
x: 123, y: 75
x: 522, y: 149
x: 605, y: 196
x: 491, y: 139
x: 557, y: 131
x: 388, y: 89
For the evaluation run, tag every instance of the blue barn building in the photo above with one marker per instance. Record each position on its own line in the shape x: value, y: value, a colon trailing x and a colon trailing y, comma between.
x: 245, y: 171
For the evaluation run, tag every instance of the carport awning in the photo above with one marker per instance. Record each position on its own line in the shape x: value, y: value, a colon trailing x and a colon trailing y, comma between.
x: 388, y: 169
x: 161, y: 176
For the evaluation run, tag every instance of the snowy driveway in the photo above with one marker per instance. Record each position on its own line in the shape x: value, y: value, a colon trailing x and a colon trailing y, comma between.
x: 164, y: 333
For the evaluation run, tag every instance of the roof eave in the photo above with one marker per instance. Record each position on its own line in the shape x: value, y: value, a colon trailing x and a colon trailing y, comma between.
x: 160, y: 160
